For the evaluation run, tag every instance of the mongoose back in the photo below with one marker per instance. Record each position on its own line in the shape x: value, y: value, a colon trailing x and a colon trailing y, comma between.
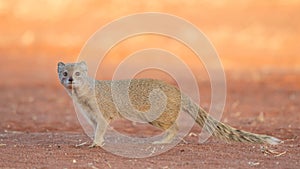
x: 93, y: 96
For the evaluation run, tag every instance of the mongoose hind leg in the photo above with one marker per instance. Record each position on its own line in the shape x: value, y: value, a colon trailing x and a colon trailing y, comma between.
x: 169, y: 135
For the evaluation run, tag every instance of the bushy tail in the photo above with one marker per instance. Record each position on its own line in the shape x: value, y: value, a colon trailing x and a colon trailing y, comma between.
x: 221, y: 130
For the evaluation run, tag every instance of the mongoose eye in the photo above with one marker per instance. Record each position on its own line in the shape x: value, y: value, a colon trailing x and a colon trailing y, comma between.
x: 77, y: 73
x: 65, y: 74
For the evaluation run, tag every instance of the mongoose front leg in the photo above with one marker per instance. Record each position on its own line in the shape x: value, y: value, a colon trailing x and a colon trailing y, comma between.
x: 99, y: 133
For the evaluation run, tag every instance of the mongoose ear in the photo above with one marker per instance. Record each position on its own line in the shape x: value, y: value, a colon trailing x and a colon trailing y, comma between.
x: 83, y: 65
x: 60, y: 66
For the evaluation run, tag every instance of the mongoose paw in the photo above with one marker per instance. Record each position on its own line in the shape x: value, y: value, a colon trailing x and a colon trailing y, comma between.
x: 161, y: 142
x: 96, y: 145
x: 157, y: 142
x: 93, y: 145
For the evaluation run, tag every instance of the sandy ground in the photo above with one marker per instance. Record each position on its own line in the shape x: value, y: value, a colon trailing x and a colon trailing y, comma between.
x: 39, y: 127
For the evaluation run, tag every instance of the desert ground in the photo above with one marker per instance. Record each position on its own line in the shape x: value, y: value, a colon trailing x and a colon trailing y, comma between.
x: 40, y: 129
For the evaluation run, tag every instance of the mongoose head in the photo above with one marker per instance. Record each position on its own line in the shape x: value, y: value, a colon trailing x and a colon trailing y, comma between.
x: 72, y: 75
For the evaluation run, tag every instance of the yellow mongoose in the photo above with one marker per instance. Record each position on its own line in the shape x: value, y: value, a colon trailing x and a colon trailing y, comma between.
x: 74, y: 77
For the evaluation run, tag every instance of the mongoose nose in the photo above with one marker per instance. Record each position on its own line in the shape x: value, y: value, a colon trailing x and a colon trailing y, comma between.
x: 70, y: 79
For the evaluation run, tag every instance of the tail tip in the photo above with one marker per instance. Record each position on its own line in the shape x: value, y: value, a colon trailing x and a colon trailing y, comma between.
x: 273, y: 140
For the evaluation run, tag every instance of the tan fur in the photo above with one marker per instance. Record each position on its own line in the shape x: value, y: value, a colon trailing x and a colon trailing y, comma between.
x: 91, y: 102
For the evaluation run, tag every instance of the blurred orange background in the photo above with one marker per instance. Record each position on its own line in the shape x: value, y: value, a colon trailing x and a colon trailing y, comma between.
x: 248, y: 34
